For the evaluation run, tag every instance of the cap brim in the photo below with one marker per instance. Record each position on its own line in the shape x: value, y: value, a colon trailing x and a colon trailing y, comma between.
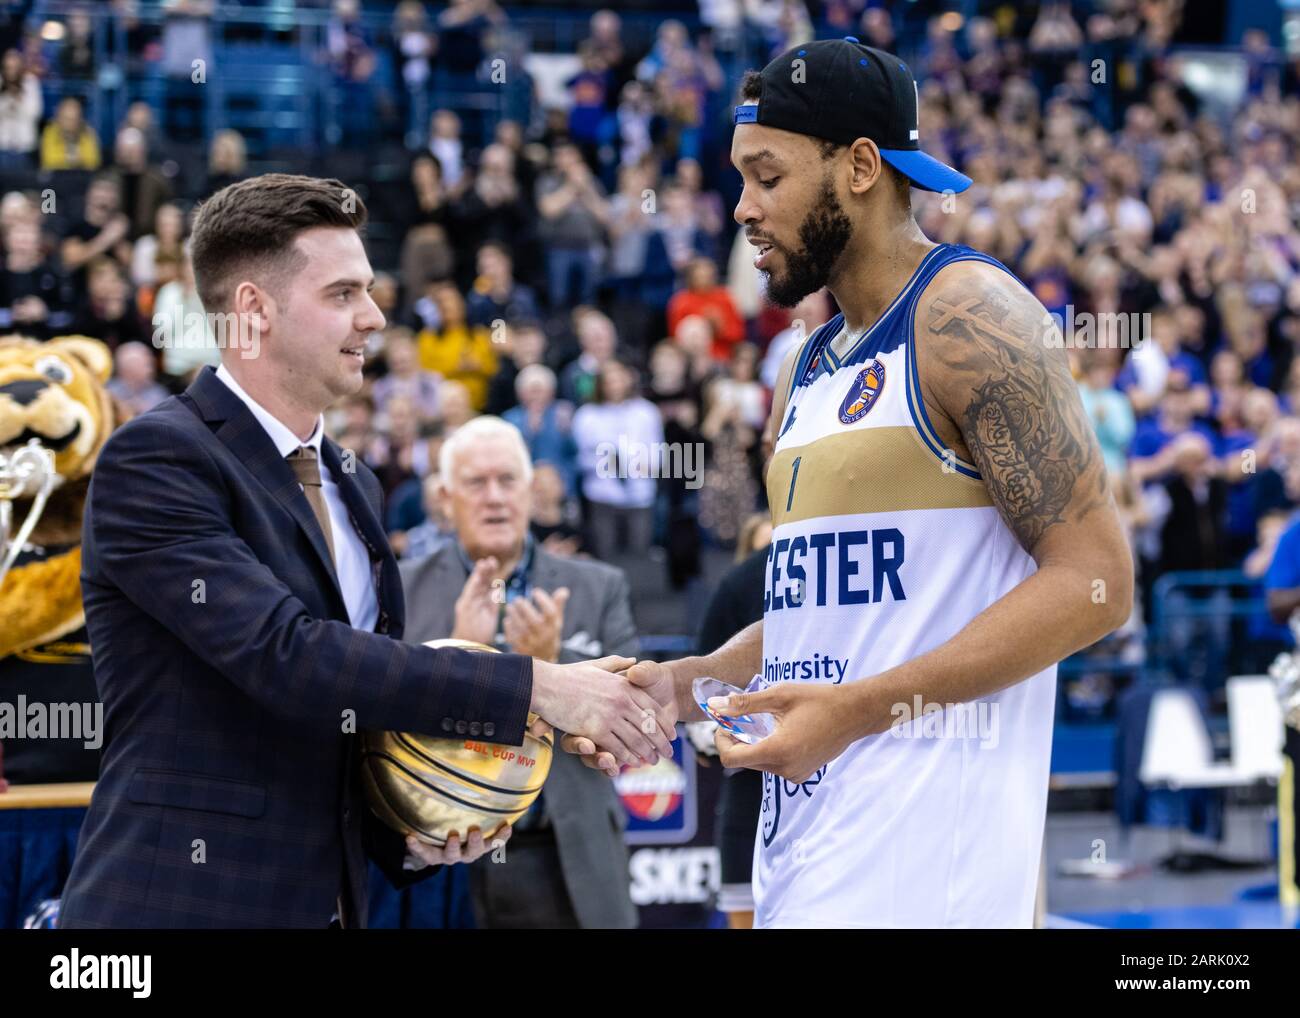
x: 925, y: 172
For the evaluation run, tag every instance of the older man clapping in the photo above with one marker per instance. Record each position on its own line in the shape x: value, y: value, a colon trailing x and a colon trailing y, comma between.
x: 495, y: 585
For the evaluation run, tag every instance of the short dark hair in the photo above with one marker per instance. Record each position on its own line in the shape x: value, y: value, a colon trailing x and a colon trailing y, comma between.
x: 106, y: 178
x: 250, y: 227
x: 634, y: 379
x: 426, y: 156
x: 498, y: 247
x: 105, y: 263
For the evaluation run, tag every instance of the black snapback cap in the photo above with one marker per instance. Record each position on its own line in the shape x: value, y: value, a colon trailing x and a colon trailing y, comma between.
x: 841, y: 90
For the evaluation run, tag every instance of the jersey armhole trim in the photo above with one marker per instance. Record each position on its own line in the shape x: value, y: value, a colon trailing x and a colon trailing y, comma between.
x: 916, y: 408
x: 915, y: 400
x: 868, y: 344
x: 810, y: 345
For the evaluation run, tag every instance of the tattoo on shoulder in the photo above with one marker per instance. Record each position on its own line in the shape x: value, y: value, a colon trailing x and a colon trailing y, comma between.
x: 1024, y: 421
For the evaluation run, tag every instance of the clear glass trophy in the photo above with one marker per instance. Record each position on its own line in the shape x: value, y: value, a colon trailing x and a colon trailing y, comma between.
x: 746, y: 728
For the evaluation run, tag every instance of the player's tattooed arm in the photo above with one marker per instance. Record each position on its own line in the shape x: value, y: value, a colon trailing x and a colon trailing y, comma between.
x: 1005, y: 392
x: 998, y: 390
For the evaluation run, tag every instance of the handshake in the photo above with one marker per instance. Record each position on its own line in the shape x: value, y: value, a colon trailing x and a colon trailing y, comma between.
x: 610, y: 711
x: 625, y: 708
x: 613, y: 710
x: 616, y: 711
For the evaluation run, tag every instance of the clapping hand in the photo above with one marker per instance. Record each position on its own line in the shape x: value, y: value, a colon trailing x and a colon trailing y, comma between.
x: 533, y: 625
x: 478, y: 605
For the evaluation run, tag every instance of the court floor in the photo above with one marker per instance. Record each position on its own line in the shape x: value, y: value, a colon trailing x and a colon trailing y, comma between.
x: 1142, y: 894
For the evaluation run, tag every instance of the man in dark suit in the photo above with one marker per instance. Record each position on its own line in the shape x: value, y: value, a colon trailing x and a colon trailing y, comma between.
x: 567, y: 864
x: 246, y: 615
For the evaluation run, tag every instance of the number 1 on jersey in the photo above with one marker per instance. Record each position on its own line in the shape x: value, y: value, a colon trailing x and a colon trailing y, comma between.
x: 794, y: 476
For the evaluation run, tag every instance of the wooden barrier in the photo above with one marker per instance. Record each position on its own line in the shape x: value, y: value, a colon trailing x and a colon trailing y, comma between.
x: 60, y: 796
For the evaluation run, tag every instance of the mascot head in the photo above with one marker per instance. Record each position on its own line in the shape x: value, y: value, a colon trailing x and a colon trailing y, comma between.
x: 54, y: 392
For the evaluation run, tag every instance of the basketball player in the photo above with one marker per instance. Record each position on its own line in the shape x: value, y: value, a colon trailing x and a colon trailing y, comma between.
x: 943, y: 532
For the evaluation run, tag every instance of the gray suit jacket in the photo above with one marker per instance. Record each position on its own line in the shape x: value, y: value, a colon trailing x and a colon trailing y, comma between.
x: 584, y: 811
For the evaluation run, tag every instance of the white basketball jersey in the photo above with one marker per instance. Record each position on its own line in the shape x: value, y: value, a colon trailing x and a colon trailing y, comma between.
x: 884, y: 546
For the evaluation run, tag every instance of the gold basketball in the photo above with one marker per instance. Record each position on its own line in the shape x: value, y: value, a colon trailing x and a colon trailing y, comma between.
x: 431, y: 787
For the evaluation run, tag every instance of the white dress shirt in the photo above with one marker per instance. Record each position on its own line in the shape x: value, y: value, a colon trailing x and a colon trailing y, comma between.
x: 351, y: 559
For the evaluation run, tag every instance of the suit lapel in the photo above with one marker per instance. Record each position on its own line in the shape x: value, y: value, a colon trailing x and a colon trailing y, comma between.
x: 544, y: 575
x: 248, y: 441
x: 452, y: 576
x: 547, y: 577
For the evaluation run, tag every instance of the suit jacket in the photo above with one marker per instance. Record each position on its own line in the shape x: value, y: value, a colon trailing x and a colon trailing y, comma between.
x: 585, y: 813
x: 229, y: 790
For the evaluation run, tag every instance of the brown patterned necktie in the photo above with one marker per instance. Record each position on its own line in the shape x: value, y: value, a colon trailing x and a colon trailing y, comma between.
x: 306, y: 468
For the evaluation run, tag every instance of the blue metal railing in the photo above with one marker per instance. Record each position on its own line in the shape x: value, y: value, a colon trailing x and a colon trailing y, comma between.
x: 1205, y: 580
x: 1197, y: 626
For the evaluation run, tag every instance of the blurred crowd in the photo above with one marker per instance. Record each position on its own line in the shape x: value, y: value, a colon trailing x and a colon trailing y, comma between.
x: 1119, y: 196
x: 576, y: 270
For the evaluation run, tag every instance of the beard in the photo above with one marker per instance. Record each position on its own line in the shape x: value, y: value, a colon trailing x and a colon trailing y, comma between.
x: 824, y: 234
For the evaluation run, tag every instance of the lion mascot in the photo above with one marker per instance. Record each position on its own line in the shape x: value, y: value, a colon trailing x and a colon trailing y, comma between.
x: 54, y: 393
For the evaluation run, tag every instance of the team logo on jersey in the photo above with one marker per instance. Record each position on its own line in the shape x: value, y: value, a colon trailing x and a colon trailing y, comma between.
x: 863, y: 393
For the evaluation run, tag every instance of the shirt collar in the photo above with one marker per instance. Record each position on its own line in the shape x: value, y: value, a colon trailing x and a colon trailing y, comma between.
x: 517, y: 581
x: 285, y: 440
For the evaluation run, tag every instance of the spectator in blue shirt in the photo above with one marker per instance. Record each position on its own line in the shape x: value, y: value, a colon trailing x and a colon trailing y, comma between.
x: 1227, y: 386
x: 1278, y: 484
x: 1154, y: 435
x: 1238, y: 451
x: 496, y: 297
x: 545, y: 422
x: 1282, y: 584
x: 1271, y: 637
x: 1247, y: 333
x: 589, y: 92
x: 1159, y: 364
